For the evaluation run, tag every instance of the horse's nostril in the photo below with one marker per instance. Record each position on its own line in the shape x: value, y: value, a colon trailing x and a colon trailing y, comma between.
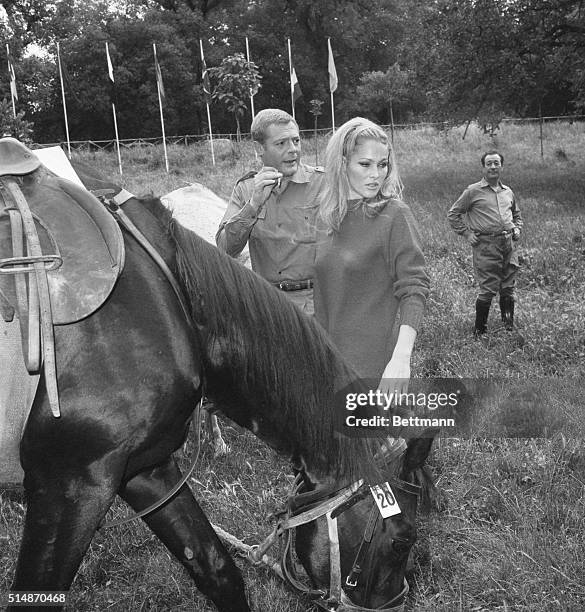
x: 401, y: 545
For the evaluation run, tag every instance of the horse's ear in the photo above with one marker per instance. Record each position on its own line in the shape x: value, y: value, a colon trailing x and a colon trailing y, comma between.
x: 417, y: 451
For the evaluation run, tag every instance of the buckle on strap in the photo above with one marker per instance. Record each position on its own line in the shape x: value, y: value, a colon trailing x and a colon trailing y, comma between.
x: 290, y: 285
x: 355, y: 571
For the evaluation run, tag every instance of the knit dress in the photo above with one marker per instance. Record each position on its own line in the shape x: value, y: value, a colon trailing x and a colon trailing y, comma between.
x: 365, y: 274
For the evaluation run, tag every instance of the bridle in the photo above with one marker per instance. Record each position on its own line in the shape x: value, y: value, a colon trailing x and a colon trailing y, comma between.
x: 306, y: 507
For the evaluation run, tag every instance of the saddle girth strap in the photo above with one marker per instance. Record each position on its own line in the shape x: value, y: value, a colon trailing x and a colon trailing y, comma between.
x: 39, y: 302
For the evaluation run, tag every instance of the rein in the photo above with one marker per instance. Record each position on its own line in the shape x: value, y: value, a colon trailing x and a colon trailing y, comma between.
x: 175, y: 489
x: 114, y: 206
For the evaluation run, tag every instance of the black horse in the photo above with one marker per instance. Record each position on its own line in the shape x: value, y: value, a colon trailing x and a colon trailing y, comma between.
x: 129, y: 378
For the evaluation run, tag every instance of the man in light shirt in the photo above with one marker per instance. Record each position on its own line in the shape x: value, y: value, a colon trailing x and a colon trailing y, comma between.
x: 274, y: 209
x: 487, y: 216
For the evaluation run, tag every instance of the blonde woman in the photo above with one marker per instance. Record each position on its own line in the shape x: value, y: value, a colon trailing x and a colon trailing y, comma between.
x: 370, y: 279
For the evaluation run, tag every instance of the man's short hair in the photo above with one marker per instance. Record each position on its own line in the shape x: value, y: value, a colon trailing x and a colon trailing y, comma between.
x: 492, y: 152
x: 266, y: 118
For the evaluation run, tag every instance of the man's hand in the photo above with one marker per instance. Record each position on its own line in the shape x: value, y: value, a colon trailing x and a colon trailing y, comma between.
x: 515, y: 234
x: 264, y: 183
x: 472, y: 238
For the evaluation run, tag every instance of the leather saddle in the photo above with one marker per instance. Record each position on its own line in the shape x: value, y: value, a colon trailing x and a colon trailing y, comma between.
x: 75, y: 227
x: 61, y: 253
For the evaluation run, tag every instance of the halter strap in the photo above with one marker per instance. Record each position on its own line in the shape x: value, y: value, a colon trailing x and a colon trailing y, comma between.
x: 348, y: 606
x: 351, y: 580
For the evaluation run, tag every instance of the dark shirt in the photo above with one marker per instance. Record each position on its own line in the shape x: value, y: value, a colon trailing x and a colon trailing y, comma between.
x: 364, y: 274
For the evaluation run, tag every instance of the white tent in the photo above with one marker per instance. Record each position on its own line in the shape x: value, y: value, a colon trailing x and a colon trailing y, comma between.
x: 199, y: 209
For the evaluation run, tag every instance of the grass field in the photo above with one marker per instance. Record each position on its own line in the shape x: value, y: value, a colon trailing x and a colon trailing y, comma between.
x: 509, y: 533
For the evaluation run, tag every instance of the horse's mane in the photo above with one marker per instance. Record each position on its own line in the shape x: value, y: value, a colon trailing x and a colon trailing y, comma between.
x: 273, y: 356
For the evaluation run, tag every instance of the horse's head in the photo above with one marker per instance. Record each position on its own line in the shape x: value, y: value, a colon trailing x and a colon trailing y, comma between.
x: 353, y: 555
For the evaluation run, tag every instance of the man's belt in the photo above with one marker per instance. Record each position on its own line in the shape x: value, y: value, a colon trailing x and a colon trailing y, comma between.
x: 494, y: 234
x: 289, y: 285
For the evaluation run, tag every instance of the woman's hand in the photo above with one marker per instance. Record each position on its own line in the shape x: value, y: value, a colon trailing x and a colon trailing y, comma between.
x: 397, y: 372
x: 396, y: 375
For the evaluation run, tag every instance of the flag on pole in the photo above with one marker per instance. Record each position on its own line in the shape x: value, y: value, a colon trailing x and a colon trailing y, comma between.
x: 205, y: 77
x: 161, y: 94
x: 251, y: 94
x: 207, y: 92
x: 331, y: 66
x: 332, y: 81
x: 295, y: 87
x: 111, y: 75
x: 63, y: 98
x: 110, y: 67
x: 13, y: 92
x: 159, y: 79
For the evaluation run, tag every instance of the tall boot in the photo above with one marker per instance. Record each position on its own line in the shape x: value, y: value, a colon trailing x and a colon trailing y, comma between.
x: 507, y: 311
x: 482, y: 311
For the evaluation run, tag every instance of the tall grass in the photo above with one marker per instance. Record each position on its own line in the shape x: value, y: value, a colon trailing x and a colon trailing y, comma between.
x: 510, y: 531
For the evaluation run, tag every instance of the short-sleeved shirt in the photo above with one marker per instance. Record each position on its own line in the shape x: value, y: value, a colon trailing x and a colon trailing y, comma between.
x: 365, y: 273
x: 485, y: 209
x: 281, y: 235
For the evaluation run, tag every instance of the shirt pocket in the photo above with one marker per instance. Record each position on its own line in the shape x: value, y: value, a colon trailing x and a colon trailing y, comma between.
x: 303, y: 218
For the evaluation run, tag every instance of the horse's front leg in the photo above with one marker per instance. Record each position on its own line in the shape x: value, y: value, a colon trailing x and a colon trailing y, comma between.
x: 184, y: 529
x: 62, y: 515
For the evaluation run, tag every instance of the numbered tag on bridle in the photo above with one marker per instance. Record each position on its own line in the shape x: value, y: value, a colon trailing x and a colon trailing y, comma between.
x: 385, y: 500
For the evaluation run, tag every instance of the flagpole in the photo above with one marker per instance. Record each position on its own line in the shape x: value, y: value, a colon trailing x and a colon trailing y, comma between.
x: 64, y: 104
x: 117, y: 138
x: 251, y: 96
x: 292, y: 97
x: 111, y: 75
x: 12, y: 80
x: 332, y: 113
x: 162, y: 120
x: 207, y: 104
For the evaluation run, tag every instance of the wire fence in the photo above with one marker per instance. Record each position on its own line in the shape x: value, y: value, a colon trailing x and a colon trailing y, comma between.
x: 191, y: 139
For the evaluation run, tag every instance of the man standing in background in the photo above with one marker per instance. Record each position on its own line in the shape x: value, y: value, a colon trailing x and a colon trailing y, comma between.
x: 487, y: 215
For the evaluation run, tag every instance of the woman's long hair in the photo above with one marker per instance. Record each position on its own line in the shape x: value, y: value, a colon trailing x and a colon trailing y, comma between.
x: 335, y: 195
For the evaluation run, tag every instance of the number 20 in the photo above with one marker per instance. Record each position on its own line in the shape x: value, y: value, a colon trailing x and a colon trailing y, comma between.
x: 386, y: 497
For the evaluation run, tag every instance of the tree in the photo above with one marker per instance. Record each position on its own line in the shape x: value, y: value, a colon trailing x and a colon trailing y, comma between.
x: 467, y: 57
x: 17, y: 127
x: 483, y: 59
x: 379, y: 91
x: 364, y: 37
x: 236, y: 80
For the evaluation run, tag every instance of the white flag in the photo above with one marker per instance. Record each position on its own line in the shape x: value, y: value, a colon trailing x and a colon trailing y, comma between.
x: 332, y: 71
x: 110, y: 67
